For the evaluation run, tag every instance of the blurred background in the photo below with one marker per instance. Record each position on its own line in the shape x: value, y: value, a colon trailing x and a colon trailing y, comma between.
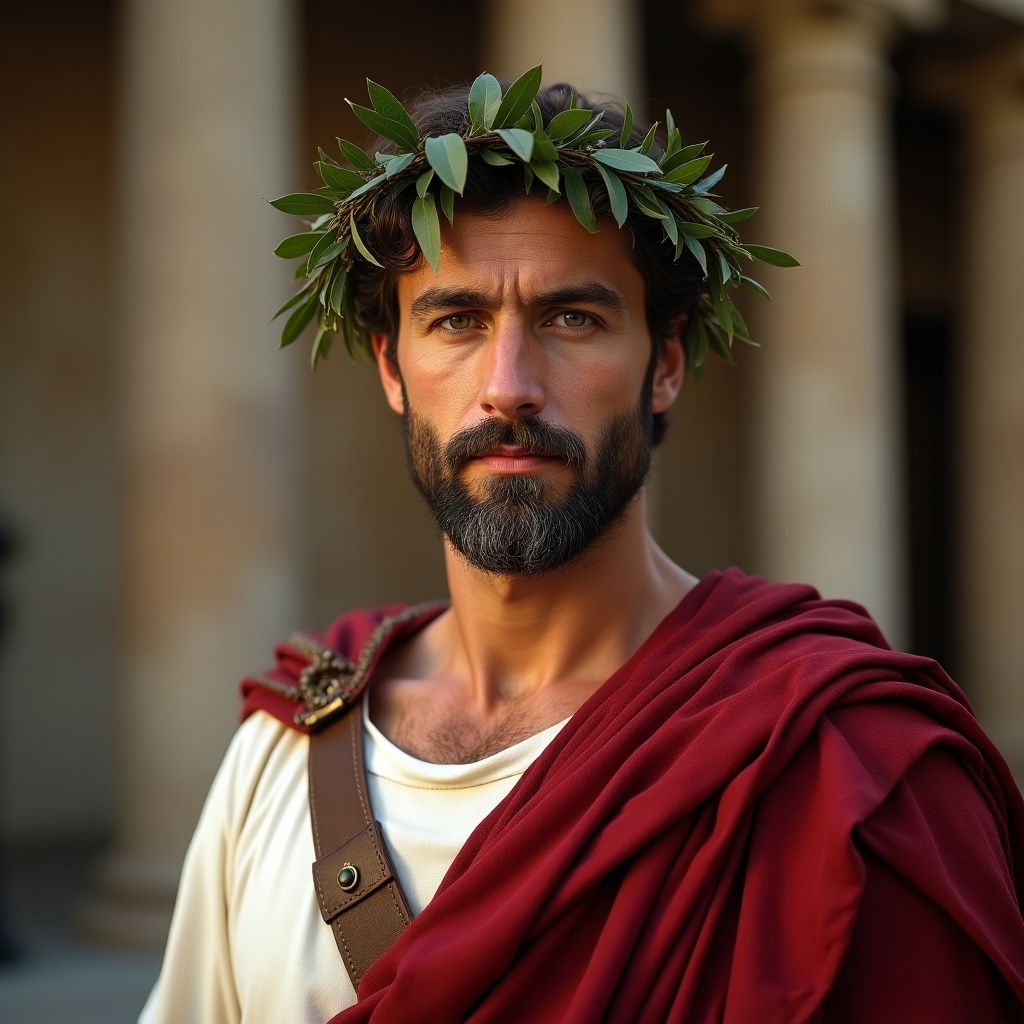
x: 176, y: 495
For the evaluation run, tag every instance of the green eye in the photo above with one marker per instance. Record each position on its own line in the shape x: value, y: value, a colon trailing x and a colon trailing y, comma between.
x: 573, y: 319
x: 457, y: 321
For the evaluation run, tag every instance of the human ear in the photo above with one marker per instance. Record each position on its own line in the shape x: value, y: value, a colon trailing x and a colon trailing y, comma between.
x: 390, y: 378
x: 670, y: 368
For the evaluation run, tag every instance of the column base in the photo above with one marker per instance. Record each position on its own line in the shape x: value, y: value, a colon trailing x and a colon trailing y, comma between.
x: 131, y: 904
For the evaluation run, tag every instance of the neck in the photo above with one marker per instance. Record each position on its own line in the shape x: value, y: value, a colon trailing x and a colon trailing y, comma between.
x: 511, y: 637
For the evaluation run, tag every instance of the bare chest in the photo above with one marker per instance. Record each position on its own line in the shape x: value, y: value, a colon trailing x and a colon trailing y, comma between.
x: 432, y: 725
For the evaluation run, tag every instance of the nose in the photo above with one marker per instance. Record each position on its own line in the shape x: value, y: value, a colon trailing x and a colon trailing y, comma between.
x: 511, y: 386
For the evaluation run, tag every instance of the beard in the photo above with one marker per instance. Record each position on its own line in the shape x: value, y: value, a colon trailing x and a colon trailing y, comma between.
x: 513, y: 529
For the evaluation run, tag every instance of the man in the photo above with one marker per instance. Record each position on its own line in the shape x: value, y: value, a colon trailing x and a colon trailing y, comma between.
x: 609, y: 791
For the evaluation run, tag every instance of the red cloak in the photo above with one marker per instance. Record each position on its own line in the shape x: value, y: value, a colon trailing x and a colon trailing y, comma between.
x: 766, y: 816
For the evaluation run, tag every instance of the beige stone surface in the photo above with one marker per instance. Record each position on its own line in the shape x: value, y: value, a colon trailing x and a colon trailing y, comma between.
x: 827, y: 441
x: 209, y: 551
x: 991, y: 368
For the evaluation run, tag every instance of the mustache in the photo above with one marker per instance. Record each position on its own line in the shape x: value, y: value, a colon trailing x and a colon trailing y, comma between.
x: 532, y: 435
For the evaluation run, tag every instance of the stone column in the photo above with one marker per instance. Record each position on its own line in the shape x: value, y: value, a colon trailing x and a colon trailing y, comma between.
x: 826, y: 427
x: 595, y: 44
x: 209, y: 566
x: 991, y: 370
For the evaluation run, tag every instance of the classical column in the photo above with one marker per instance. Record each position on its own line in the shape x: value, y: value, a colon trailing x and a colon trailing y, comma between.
x: 991, y: 371
x: 595, y: 44
x: 826, y: 424
x: 209, y: 567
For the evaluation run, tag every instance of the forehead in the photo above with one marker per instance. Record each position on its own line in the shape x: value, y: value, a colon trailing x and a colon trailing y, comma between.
x: 531, y: 249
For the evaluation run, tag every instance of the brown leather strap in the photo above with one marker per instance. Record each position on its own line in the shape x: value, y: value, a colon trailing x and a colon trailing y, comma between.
x: 356, y: 887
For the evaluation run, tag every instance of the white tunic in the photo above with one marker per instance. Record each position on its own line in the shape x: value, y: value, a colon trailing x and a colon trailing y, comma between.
x: 247, y: 942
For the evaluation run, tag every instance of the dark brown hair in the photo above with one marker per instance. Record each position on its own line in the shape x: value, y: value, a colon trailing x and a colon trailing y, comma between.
x: 672, y: 287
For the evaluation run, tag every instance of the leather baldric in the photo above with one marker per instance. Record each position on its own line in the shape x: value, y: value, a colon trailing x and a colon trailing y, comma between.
x: 356, y: 886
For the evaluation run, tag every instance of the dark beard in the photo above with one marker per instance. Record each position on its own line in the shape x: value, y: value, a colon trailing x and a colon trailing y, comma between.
x: 512, y: 530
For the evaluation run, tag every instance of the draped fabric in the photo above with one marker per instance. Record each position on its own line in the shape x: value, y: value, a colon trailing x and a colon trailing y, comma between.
x: 694, y: 845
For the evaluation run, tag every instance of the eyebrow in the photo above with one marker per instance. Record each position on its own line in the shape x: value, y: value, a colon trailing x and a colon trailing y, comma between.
x: 434, y: 300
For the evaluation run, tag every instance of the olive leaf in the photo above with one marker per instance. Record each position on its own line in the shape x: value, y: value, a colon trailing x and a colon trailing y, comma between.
x: 387, y: 127
x: 484, y: 101
x: 517, y: 100
x: 568, y: 123
x: 298, y: 245
x: 626, y: 160
x: 766, y: 254
x: 519, y: 140
x: 355, y: 156
x: 578, y: 194
x: 427, y: 229
x: 617, y: 198
x: 303, y: 204
x: 360, y: 245
x: 447, y: 155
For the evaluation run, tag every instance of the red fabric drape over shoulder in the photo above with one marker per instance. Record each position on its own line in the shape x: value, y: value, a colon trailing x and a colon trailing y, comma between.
x: 694, y: 844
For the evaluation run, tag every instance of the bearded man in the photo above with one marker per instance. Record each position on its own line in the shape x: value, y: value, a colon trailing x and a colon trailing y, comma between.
x: 591, y: 787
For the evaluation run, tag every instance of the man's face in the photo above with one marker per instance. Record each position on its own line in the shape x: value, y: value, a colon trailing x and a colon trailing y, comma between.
x: 524, y: 385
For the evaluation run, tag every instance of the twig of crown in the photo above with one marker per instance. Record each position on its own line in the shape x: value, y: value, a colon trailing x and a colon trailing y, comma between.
x: 506, y: 128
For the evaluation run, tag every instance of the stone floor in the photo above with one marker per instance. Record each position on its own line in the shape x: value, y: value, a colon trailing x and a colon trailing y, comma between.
x: 56, y: 976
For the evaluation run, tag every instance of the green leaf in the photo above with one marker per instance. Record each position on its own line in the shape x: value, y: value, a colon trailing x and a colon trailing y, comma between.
x: 321, y: 344
x: 494, y: 159
x: 627, y: 129
x: 694, y: 229
x: 297, y: 297
x: 705, y: 205
x: 387, y: 127
x: 397, y: 164
x: 322, y: 258
x: 567, y: 123
x: 673, y: 140
x: 690, y: 171
x: 303, y: 204
x: 536, y: 116
x: 338, y: 177
x: 645, y: 201
x: 732, y: 216
x: 364, y: 252
x: 551, y: 197
x: 519, y: 141
x: 448, y: 203
x: 669, y: 223
x: 579, y: 198
x: 697, y: 251
x: 670, y: 161
x: 366, y: 186
x: 427, y: 229
x: 517, y: 100
x: 298, y: 245
x: 617, y: 198
x: 423, y: 182
x: 388, y: 105
x: 528, y: 178
x: 706, y: 184
x: 587, y: 129
x: 626, y: 160
x: 336, y: 298
x: 755, y: 286
x: 547, y: 171
x: 766, y: 254
x: 447, y: 155
x: 543, y: 147
x: 328, y: 240
x: 484, y: 101
x: 296, y: 323
x: 355, y: 156
x: 645, y: 146
x: 726, y: 270
x: 596, y: 136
